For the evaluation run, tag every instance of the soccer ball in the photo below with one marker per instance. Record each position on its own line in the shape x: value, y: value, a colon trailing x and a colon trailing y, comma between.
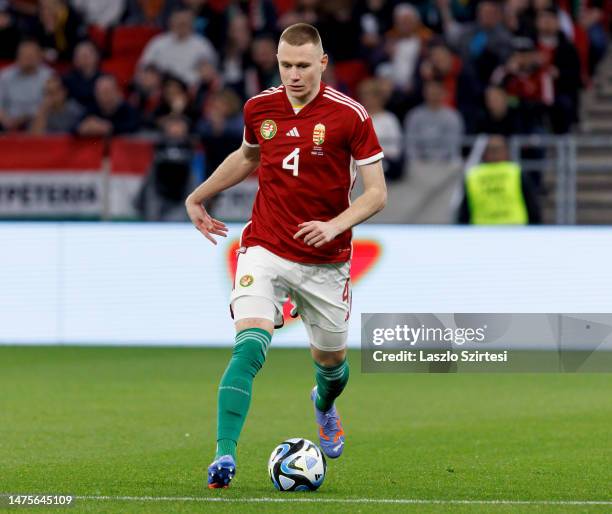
x: 297, y: 465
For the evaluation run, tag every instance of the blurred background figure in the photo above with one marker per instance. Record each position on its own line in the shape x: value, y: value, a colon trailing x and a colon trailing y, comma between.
x: 163, y: 194
x: 221, y: 129
x: 263, y: 72
x: 145, y: 93
x: 111, y: 114
x: 100, y: 14
x: 560, y: 58
x: 176, y: 101
x: 21, y: 87
x: 58, y: 29
x: 81, y: 78
x: 179, y: 50
x: 496, y: 192
x: 499, y: 116
x: 150, y: 12
x: 403, y: 47
x: 57, y: 112
x: 433, y: 130
x: 373, y: 96
x: 9, y: 32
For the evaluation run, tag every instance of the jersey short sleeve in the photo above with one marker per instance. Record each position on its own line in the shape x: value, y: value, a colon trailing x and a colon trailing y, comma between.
x: 365, y: 147
x: 249, y: 138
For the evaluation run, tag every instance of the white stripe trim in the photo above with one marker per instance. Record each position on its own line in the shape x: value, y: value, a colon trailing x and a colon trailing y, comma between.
x: 345, y: 103
x: 245, y: 142
x: 258, y: 337
x: 342, y: 96
x: 370, y: 160
x: 235, y: 389
x: 269, y: 92
x: 242, y: 231
x: 277, y: 499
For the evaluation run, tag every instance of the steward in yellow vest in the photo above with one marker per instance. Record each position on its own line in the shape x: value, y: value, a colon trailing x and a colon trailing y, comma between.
x: 496, y: 192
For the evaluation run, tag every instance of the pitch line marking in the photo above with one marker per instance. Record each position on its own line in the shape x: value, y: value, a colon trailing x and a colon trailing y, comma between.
x: 405, y: 501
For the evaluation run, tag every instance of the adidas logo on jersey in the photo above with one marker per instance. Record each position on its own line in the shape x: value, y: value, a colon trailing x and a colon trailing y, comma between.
x: 293, y: 132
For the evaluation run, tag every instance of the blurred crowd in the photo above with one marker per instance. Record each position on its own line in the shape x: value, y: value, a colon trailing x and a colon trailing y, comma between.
x: 429, y: 71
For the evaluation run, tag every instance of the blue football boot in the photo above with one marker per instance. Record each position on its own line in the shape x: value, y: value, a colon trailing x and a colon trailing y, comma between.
x: 221, y: 472
x: 331, y: 433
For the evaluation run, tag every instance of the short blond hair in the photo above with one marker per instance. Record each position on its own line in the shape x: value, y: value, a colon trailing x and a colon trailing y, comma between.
x: 301, y: 34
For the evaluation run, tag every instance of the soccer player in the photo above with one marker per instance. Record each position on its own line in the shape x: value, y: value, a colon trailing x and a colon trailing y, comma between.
x: 307, y: 140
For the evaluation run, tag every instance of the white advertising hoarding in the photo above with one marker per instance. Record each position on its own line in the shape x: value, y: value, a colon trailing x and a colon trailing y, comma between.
x: 96, y: 283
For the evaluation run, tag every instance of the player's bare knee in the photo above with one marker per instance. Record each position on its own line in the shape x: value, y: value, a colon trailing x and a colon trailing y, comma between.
x: 328, y: 359
x: 264, y: 324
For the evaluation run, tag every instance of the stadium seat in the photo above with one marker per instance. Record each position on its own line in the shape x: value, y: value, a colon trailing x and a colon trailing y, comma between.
x: 99, y: 36
x: 130, y: 40
x: 122, y: 68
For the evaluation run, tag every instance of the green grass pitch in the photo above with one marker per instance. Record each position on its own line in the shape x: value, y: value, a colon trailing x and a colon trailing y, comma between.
x: 140, y: 422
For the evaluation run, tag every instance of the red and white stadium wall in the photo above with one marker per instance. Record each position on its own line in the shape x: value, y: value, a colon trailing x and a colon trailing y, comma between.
x: 150, y: 284
x: 60, y: 176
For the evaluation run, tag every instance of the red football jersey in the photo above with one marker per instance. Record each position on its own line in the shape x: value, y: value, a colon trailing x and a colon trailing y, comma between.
x: 307, y: 168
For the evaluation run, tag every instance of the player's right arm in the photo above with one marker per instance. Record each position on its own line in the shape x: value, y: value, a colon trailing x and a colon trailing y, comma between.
x: 234, y: 169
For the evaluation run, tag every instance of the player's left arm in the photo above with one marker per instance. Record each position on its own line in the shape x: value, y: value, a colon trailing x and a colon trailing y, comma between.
x: 372, y: 200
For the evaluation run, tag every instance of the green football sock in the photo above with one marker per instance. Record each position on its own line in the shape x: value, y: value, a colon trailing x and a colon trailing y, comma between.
x: 331, y: 381
x: 236, y: 386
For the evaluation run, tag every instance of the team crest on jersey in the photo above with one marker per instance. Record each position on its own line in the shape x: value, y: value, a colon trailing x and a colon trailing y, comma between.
x: 318, y: 134
x: 268, y: 129
x: 246, y: 280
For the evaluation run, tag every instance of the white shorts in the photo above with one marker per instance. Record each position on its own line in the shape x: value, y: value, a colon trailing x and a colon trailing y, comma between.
x: 321, y: 293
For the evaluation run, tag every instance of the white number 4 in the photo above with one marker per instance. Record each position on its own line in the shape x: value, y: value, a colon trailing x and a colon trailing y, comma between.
x: 292, y: 162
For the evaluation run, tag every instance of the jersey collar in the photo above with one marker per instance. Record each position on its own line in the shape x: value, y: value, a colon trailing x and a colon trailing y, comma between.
x: 289, y: 107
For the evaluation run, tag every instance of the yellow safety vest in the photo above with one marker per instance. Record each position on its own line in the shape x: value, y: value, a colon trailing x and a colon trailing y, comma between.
x: 494, y: 194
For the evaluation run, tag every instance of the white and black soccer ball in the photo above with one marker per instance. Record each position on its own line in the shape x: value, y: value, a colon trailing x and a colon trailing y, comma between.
x: 297, y: 465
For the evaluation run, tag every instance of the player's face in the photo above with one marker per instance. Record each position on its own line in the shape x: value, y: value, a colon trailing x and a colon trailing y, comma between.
x: 301, y: 68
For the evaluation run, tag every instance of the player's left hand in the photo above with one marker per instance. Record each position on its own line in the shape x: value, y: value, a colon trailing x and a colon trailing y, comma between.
x: 316, y: 233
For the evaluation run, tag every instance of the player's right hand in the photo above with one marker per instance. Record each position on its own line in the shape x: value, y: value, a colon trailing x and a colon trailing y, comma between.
x: 206, y: 224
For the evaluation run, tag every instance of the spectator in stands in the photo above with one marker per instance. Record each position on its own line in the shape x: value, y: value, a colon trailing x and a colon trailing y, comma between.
x: 375, y: 19
x: 59, y: 29
x: 527, y: 78
x: 101, y: 14
x: 147, y: 12
x: 21, y: 87
x: 261, y: 14
x: 440, y: 64
x: 221, y: 129
x: 264, y: 71
x: 404, y: 43
x: 81, y: 79
x: 179, y: 51
x: 498, y: 117
x: 145, y: 93
x: 236, y: 55
x: 496, y: 192
x: 57, y: 112
x: 111, y: 114
x: 433, y: 130
x: 163, y: 194
x: 372, y: 95
x: 209, y: 82
x: 563, y: 63
x: 484, y: 44
x: 208, y: 22
x: 175, y: 101
x: 340, y: 30
x: 592, y: 20
x: 9, y: 33
x: 305, y: 11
